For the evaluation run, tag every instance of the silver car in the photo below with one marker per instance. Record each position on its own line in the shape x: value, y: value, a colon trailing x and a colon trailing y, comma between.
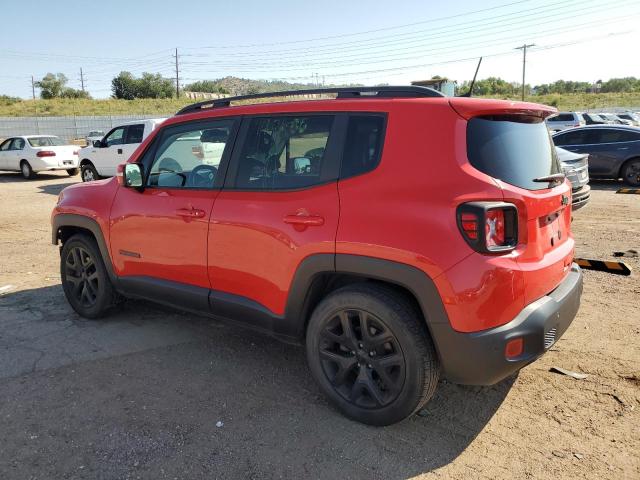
x: 563, y: 120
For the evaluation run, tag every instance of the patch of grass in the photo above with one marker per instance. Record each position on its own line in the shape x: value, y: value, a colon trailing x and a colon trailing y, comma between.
x: 164, y: 107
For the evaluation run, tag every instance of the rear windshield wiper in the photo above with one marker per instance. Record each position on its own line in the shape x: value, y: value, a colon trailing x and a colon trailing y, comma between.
x: 555, y: 177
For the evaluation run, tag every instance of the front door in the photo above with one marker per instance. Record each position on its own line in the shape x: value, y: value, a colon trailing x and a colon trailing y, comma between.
x: 107, y: 158
x: 279, y: 205
x: 158, y: 237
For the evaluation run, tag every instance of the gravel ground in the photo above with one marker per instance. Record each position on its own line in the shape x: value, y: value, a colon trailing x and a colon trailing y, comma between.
x: 152, y: 393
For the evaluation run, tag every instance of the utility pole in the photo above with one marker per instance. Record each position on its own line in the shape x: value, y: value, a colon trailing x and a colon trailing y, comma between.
x: 81, y: 79
x: 177, y: 76
x: 33, y: 88
x: 524, y: 61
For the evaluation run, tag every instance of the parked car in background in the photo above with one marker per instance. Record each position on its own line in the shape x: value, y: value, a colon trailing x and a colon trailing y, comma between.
x: 614, y: 150
x: 631, y: 117
x: 30, y: 154
x: 103, y: 157
x: 615, y: 119
x: 93, y: 136
x: 563, y: 120
x: 594, y: 119
x: 575, y: 167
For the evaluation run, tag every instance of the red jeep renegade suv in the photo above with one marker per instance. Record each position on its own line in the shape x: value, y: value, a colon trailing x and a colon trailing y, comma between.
x: 399, y: 234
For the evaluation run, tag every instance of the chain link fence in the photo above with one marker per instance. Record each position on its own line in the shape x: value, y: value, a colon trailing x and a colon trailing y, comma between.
x: 69, y: 128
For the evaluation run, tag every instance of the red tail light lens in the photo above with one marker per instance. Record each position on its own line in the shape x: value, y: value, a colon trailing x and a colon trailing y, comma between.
x: 489, y: 227
x: 45, y: 153
x: 75, y: 152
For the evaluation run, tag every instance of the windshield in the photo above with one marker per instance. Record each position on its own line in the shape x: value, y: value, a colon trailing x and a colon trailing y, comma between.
x: 515, y: 149
x: 46, y: 141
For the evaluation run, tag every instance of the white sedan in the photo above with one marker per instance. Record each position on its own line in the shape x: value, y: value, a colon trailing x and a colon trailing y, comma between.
x: 30, y: 154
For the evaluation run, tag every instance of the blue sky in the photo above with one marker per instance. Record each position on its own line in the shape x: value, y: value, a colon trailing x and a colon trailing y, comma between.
x: 342, y: 41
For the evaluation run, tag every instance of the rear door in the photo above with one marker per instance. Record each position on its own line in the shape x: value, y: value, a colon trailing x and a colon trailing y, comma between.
x: 279, y: 205
x: 516, y: 150
x: 16, y: 153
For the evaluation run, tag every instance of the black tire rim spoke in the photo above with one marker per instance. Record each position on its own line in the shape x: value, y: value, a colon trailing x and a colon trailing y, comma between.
x: 81, y: 277
x: 361, y: 358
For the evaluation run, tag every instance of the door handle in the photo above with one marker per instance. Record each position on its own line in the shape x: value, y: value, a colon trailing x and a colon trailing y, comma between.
x: 306, y: 220
x: 120, y: 150
x: 190, y: 212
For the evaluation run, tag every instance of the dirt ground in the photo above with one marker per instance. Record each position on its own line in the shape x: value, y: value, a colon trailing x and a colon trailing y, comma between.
x: 140, y: 394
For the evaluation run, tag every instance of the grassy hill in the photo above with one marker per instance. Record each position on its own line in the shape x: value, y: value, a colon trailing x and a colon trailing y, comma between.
x: 18, y: 108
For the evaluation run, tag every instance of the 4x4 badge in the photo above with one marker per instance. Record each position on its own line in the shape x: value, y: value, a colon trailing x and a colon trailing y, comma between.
x: 565, y: 200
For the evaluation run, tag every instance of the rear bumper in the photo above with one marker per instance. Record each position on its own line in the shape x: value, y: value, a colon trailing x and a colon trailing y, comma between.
x: 54, y: 163
x: 580, y: 197
x: 478, y: 358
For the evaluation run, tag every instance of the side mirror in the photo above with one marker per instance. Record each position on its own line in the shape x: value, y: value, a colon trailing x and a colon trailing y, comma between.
x: 97, y: 143
x: 133, y: 175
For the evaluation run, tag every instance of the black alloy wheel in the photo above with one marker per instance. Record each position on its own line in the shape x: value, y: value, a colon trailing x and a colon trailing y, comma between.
x: 82, y: 275
x: 362, y: 359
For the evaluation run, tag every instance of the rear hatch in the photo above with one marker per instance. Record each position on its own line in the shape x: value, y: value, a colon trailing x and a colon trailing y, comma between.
x: 515, y: 149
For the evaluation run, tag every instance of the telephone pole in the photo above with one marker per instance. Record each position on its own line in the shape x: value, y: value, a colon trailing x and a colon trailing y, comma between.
x: 33, y: 88
x: 177, y: 76
x: 524, y: 61
x: 81, y: 79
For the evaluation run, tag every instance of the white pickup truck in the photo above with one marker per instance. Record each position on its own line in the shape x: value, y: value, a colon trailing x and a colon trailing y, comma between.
x: 103, y: 157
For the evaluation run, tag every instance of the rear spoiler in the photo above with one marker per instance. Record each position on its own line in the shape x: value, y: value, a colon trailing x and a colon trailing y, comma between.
x: 475, y: 107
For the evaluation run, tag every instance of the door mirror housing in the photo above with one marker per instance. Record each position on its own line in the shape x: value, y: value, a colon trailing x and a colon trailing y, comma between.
x: 133, y: 176
x: 97, y: 143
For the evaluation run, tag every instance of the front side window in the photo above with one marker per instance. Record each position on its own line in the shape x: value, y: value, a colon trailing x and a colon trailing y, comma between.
x: 116, y: 137
x: 18, y: 144
x: 189, y: 156
x: 135, y: 133
x: 283, y: 152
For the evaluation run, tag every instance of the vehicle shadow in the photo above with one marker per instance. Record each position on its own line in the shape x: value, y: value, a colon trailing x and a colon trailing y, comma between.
x: 607, y: 185
x: 13, y: 177
x: 147, y: 387
x: 53, y: 188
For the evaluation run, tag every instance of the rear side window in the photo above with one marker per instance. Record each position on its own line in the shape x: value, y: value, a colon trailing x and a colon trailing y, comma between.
x: 611, y: 135
x: 363, y: 145
x: 515, y: 149
x: 284, y: 152
x: 135, y: 133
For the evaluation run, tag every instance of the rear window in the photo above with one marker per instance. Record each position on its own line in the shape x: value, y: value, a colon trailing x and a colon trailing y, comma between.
x: 45, y: 141
x: 513, y: 149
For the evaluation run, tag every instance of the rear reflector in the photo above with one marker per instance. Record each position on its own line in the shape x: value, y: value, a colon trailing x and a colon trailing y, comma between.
x: 514, y: 348
x: 45, y: 153
x: 489, y: 227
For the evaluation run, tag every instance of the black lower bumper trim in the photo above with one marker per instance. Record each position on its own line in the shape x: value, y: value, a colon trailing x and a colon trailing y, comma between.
x: 479, y: 359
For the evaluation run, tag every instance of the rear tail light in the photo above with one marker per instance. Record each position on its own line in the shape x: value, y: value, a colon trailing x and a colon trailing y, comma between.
x: 489, y: 227
x: 45, y: 153
x: 75, y: 152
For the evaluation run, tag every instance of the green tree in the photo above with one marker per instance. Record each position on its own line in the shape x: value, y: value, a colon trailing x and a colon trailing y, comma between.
x: 150, y: 85
x: 52, y: 86
x: 206, y: 86
x: 124, y: 86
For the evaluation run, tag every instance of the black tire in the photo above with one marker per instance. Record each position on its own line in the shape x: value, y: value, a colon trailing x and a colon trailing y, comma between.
x: 84, y: 277
x: 26, y: 170
x: 89, y: 172
x: 72, y: 172
x: 382, y: 377
x: 631, y: 172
